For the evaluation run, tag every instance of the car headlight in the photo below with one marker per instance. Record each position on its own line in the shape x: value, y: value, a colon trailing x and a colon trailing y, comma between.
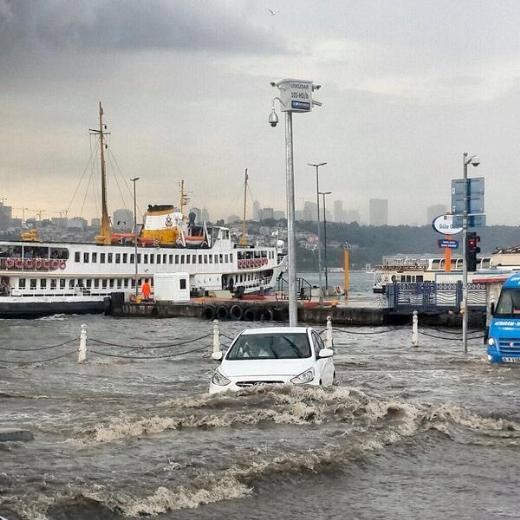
x: 491, y: 341
x: 304, y: 377
x: 219, y: 380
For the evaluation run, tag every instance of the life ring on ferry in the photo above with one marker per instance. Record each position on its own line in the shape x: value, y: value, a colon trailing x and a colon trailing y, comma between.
x: 9, y: 263
x: 29, y: 264
x: 47, y: 264
x: 18, y: 263
x: 55, y: 264
x: 38, y: 263
x: 63, y: 264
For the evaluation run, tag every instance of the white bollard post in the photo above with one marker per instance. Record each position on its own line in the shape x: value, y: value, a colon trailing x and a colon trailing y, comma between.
x: 82, y: 351
x: 415, y: 330
x: 328, y: 337
x: 216, y: 337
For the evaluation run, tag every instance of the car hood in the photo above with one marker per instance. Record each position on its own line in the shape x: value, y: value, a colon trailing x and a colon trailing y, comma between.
x: 265, y: 367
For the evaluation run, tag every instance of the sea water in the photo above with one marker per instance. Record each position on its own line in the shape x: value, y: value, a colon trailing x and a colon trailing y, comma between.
x: 427, y: 432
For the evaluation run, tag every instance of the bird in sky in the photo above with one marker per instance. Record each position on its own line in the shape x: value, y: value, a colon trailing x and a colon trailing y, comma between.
x: 273, y: 12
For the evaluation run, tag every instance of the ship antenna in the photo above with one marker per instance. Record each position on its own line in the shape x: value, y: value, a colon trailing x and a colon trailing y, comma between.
x: 243, y: 238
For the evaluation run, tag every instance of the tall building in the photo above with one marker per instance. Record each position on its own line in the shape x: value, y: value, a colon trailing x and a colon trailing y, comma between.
x: 257, y: 211
x: 6, y: 214
x: 267, y: 213
x: 378, y: 212
x: 309, y: 211
x: 435, y: 211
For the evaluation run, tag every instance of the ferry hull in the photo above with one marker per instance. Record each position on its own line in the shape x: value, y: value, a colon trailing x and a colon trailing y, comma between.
x: 38, y: 309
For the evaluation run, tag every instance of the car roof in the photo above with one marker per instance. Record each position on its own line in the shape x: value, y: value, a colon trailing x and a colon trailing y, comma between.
x: 277, y: 330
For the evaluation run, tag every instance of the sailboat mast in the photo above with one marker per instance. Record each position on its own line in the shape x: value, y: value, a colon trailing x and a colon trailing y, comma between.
x: 105, y: 237
x: 243, y: 237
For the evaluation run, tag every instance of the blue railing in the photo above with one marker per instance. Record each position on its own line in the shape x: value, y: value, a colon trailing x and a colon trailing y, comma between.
x: 433, y: 297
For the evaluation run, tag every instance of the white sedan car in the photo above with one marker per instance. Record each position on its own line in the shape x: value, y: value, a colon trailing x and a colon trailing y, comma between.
x: 273, y: 355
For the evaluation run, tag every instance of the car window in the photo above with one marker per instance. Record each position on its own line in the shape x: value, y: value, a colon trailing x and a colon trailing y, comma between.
x: 318, y: 342
x: 270, y: 346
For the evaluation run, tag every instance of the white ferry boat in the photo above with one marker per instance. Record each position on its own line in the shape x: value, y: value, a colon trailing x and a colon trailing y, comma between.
x: 42, y: 278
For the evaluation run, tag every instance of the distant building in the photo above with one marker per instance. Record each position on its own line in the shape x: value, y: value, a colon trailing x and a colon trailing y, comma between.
x: 378, y: 212
x: 310, y: 211
x: 123, y: 220
x: 257, y: 211
x: 6, y: 214
x: 339, y: 212
x: 76, y: 223
x: 279, y: 215
x: 435, y: 211
x: 267, y: 213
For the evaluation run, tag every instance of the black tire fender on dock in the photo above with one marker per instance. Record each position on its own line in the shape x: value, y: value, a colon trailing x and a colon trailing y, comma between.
x: 250, y: 314
x: 222, y: 313
x: 235, y: 313
x: 208, y: 312
x: 267, y: 314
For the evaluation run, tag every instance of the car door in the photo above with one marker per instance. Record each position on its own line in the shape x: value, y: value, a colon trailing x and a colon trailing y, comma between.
x: 325, y: 365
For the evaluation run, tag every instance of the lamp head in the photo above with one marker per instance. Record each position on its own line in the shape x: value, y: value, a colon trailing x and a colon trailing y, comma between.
x: 475, y: 161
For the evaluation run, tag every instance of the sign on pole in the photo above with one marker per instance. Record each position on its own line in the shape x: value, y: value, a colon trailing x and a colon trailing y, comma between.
x: 451, y: 244
x: 445, y: 225
x: 296, y: 95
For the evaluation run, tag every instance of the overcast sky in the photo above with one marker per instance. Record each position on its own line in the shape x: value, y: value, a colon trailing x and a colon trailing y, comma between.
x: 407, y: 87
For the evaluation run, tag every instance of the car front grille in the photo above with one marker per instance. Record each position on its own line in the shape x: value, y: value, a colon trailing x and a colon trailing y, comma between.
x: 245, y: 384
x: 509, y: 345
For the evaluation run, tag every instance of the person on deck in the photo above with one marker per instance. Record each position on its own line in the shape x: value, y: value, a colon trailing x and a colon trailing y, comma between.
x: 146, y: 290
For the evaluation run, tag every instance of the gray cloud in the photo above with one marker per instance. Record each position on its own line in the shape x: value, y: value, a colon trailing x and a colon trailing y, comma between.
x: 131, y: 25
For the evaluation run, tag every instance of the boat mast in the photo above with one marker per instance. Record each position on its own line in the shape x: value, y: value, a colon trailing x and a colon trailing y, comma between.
x: 243, y: 238
x: 183, y: 197
x: 105, y: 234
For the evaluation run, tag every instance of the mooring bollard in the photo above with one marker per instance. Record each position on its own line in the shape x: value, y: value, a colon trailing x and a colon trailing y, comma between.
x: 328, y: 337
x: 216, y: 337
x: 415, y: 329
x: 82, y: 351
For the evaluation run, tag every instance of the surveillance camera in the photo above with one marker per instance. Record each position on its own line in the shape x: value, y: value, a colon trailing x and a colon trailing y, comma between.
x: 475, y: 161
x: 273, y: 119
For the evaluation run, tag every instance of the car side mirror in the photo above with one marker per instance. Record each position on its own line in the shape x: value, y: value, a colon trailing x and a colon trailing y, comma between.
x: 325, y: 353
x: 216, y: 356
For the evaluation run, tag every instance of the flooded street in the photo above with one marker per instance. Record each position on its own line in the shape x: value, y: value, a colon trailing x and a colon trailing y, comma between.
x: 407, y: 433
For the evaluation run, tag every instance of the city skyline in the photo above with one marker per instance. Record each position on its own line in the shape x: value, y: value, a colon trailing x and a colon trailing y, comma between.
x: 186, y: 92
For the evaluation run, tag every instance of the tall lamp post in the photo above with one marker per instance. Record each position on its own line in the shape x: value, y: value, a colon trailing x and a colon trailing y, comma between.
x: 317, y: 165
x: 134, y: 180
x: 474, y: 161
x: 295, y: 96
x: 323, y: 194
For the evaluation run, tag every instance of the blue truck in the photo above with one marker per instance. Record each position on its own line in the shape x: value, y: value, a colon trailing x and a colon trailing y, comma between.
x: 504, y: 327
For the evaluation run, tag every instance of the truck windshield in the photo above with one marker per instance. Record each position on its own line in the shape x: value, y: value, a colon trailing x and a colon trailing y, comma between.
x: 509, y: 302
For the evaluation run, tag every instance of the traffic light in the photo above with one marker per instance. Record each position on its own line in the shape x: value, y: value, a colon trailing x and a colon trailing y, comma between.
x: 472, y: 248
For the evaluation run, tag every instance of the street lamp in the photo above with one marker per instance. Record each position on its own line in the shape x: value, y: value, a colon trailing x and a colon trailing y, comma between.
x: 474, y: 161
x: 134, y: 180
x: 317, y: 165
x: 323, y: 193
x: 295, y: 96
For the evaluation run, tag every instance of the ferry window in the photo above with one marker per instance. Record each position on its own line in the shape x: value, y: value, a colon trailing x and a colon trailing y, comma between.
x: 193, y: 259
x: 182, y: 283
x: 231, y: 257
x: 43, y: 283
x: 170, y: 259
x: 21, y: 283
x: 200, y: 259
x: 158, y: 259
x: 89, y: 283
x: 221, y: 258
x: 53, y: 283
x: 205, y: 259
x: 111, y: 283
x: 119, y: 283
x: 59, y: 253
x: 62, y: 283
x: 187, y: 259
x: 85, y: 258
x: 210, y: 259
x: 226, y: 259
x: 102, y: 258
x: 96, y: 284
x: 125, y: 258
x: 216, y: 259
x: 32, y: 283
x: 110, y: 258
x: 145, y: 261
x: 104, y: 283
x: 132, y: 259
x: 176, y: 259
x: 77, y: 256
x: 138, y: 258
x: 71, y: 284
x: 118, y: 258
x: 94, y: 258
x: 152, y: 258
x: 182, y: 259
x: 165, y: 259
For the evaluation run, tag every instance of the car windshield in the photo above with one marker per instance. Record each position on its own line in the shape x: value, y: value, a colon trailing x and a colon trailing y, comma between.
x: 270, y: 346
x: 509, y: 302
